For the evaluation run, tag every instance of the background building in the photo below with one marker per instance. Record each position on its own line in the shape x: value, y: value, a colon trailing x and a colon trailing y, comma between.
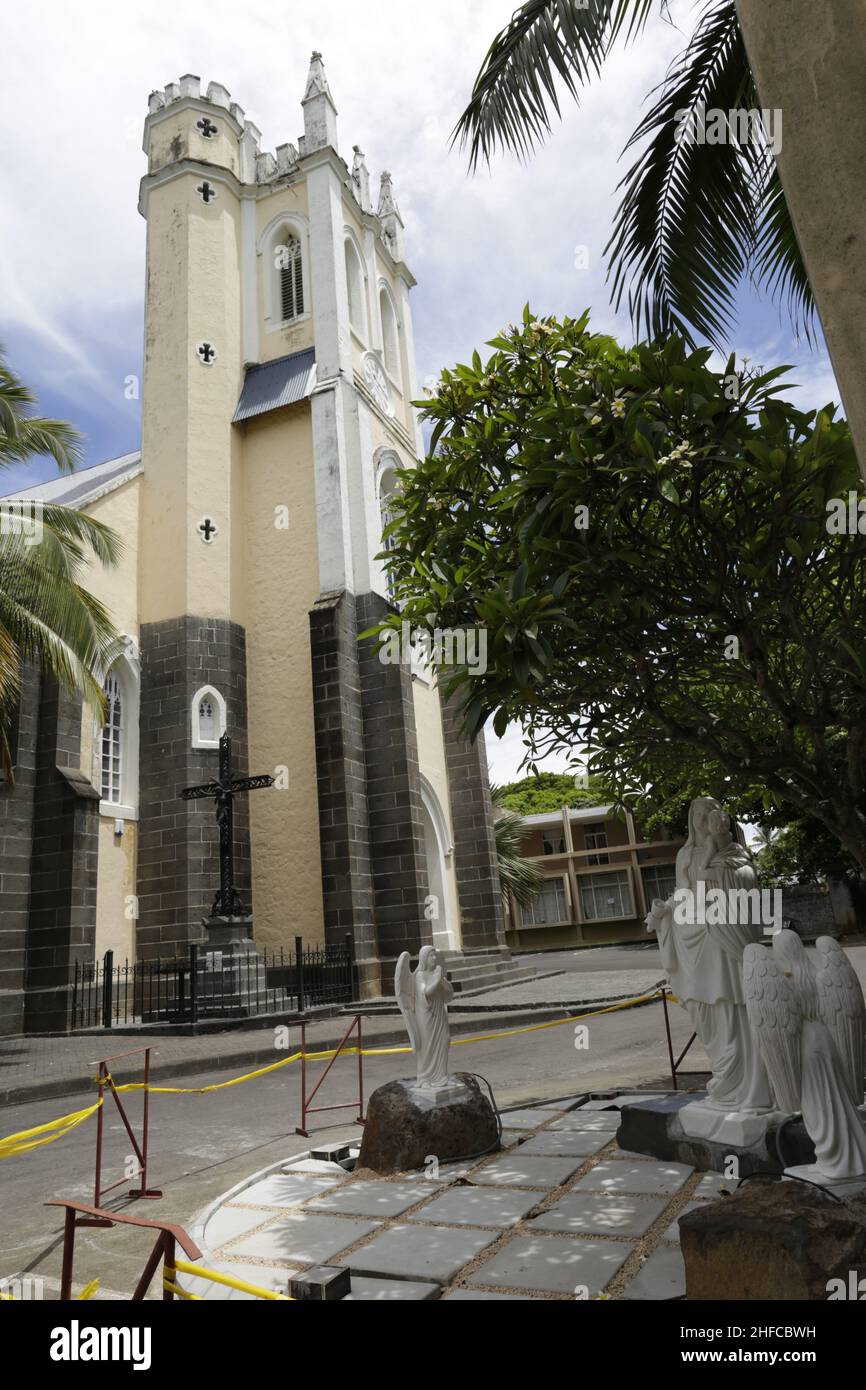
x: 600, y: 879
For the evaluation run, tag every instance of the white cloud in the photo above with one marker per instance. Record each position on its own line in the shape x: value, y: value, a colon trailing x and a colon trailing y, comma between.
x: 73, y: 103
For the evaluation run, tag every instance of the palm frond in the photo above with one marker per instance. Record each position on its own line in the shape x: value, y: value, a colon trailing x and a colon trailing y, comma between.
x: 23, y: 434
x: 687, y: 223
x: 515, y: 91
x: 518, y: 876
x: 697, y: 217
x: 778, y: 262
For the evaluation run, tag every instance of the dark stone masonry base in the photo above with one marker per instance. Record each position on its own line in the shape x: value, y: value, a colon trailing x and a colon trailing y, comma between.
x: 774, y: 1241
x: 402, y: 1132
x: 653, y: 1127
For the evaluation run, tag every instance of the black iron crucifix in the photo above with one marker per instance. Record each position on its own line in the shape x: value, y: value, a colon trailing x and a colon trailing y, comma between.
x: 227, y: 902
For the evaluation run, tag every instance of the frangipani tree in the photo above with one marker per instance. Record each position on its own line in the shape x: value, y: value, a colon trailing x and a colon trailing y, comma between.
x: 644, y: 543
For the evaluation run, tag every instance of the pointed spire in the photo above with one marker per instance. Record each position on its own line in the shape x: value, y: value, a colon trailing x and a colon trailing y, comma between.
x: 361, y: 180
x: 317, y: 82
x: 320, y: 113
x: 389, y: 216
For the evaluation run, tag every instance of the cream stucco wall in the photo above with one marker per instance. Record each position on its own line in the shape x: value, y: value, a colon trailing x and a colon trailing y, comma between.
x: 115, y: 890
x: 117, y: 588
x: 282, y: 586
x: 194, y: 295
x: 175, y: 136
x: 432, y: 765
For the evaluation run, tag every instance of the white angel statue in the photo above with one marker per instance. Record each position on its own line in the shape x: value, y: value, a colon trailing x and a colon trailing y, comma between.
x: 423, y: 998
x: 809, y: 1019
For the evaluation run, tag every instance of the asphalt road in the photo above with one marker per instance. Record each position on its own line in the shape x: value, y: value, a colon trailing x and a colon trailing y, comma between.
x: 202, y: 1145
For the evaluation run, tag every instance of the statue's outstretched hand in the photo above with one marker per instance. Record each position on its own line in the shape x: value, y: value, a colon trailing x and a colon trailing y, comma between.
x: 656, y: 915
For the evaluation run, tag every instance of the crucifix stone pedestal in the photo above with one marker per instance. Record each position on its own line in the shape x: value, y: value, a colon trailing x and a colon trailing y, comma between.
x: 229, y: 956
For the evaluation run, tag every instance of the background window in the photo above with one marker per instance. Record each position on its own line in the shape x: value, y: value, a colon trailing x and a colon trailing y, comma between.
x: 553, y: 846
x: 605, y: 895
x: 550, y: 906
x: 659, y: 881
x: 112, y: 742
x: 595, y: 837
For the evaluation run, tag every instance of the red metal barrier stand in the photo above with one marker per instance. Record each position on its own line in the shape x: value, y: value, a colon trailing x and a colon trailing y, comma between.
x: 169, y: 1236
x: 105, y: 1081
x: 306, y: 1107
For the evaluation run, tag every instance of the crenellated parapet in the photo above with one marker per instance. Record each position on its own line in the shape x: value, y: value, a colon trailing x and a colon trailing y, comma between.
x: 189, y: 122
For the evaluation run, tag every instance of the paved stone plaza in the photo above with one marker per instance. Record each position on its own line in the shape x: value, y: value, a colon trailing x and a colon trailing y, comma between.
x: 559, y: 1213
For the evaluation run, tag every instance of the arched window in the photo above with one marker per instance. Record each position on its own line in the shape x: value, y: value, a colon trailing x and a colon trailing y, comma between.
x: 387, y: 491
x: 390, y: 334
x: 112, y: 741
x: 290, y: 269
x: 118, y: 776
x: 208, y: 717
x: 357, y: 286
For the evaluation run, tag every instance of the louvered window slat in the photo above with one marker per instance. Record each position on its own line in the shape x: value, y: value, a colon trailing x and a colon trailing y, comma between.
x: 291, y: 280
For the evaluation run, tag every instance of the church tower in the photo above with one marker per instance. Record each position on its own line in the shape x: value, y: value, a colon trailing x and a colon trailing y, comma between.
x: 279, y: 375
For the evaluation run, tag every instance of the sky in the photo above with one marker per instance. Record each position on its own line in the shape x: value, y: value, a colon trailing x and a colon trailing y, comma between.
x: 72, y: 106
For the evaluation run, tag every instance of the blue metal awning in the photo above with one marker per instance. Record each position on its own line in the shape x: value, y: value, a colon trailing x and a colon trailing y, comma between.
x: 269, y: 385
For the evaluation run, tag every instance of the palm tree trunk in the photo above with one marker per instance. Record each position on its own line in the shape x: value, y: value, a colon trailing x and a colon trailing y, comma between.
x: 808, y: 58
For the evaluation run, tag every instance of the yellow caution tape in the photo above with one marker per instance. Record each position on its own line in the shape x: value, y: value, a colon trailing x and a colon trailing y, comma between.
x: 181, y: 1293
x: 54, y: 1129
x: 88, y: 1291
x: 227, y: 1279
x: 15, y: 1143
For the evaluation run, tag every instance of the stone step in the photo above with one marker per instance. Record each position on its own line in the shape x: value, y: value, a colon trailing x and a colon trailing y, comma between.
x: 481, y: 963
x: 480, y: 979
x: 497, y: 982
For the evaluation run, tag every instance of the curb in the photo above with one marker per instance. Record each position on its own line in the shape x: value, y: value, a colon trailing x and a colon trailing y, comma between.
x: 260, y: 1056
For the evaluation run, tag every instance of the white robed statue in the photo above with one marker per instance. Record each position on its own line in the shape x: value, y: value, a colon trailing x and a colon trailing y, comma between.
x: 423, y: 998
x: 809, y: 1018
x: 703, y: 958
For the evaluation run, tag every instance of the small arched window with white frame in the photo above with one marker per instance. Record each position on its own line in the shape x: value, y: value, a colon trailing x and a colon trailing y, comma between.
x: 208, y: 717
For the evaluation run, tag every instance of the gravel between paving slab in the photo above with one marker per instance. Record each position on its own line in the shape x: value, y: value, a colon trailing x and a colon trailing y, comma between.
x: 637, y: 1249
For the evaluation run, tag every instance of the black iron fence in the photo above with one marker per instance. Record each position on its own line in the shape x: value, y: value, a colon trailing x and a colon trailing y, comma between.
x: 212, y: 984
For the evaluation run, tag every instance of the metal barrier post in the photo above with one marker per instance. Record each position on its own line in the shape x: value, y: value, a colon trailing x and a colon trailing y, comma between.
x: 675, y: 1064
x: 169, y: 1236
x: 105, y: 1080
x: 306, y: 1107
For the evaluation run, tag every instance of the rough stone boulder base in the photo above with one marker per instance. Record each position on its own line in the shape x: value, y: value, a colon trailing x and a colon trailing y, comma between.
x: 772, y: 1240
x: 402, y: 1130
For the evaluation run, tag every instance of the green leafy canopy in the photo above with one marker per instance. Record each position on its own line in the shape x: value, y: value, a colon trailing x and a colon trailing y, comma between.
x: 705, y: 498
